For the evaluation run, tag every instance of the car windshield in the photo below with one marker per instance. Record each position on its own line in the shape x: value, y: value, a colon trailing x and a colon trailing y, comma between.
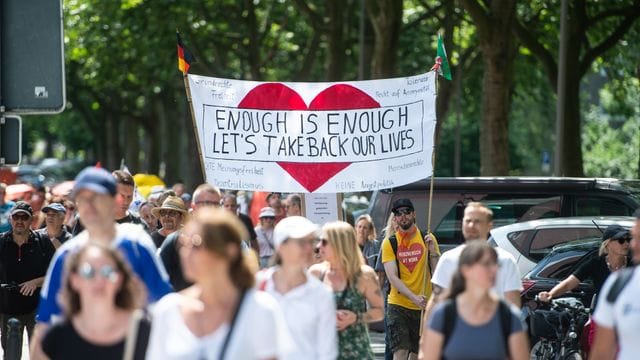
x: 634, y: 188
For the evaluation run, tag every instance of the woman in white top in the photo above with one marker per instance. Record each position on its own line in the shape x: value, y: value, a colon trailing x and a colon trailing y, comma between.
x: 220, y: 316
x: 307, y: 304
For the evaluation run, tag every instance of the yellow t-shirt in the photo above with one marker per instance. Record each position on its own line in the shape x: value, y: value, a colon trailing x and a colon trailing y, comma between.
x: 412, y: 256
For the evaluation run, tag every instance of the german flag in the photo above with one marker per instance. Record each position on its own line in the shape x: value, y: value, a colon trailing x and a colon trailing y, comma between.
x: 185, y: 57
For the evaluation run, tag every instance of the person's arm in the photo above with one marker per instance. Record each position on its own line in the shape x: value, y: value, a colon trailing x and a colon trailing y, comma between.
x: 431, y: 345
x: 604, y: 344
x: 35, y: 351
x: 374, y: 297
x: 391, y: 269
x: 561, y: 288
x: 518, y: 346
x: 513, y: 297
x: 436, y: 294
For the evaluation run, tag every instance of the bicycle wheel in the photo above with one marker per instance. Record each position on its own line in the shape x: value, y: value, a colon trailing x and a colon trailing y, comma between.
x: 542, y: 350
x: 573, y: 356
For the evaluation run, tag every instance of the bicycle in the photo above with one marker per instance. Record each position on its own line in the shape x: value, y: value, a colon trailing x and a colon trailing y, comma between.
x: 558, y: 329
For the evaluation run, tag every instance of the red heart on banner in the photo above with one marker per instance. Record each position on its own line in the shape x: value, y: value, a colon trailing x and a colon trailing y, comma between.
x: 276, y: 96
x: 410, y: 256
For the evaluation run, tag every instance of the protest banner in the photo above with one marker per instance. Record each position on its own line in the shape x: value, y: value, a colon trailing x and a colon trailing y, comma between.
x: 314, y: 137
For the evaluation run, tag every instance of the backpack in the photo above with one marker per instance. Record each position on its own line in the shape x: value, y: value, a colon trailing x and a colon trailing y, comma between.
x: 619, y: 284
x: 451, y: 315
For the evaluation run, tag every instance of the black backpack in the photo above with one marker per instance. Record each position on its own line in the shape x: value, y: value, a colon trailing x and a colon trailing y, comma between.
x: 451, y: 315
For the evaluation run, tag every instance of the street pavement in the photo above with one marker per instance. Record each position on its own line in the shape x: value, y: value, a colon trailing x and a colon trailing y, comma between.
x: 377, y: 344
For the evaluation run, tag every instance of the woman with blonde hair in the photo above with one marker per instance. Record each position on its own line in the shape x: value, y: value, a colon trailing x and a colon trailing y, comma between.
x: 99, y: 296
x: 354, y: 285
x: 220, y: 316
x: 482, y: 326
x: 366, y: 238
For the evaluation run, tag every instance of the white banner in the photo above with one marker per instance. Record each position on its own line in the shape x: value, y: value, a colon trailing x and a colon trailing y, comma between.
x: 315, y: 137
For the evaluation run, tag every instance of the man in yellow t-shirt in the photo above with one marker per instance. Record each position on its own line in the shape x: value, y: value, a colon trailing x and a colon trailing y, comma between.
x: 405, y: 270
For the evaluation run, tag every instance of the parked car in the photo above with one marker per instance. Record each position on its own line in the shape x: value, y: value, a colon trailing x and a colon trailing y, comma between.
x: 512, y: 199
x: 530, y: 241
x: 556, y: 266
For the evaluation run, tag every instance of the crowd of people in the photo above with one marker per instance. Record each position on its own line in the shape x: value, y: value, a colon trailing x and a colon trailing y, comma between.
x: 95, y: 274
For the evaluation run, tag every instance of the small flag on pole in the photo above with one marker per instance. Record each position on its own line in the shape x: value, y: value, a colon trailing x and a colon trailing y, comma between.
x: 442, y: 64
x: 185, y: 57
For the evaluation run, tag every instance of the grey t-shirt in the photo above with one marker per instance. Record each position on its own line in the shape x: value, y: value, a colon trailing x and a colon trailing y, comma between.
x: 474, y: 342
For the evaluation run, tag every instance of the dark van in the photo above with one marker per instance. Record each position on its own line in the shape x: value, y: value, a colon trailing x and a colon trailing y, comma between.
x: 512, y: 199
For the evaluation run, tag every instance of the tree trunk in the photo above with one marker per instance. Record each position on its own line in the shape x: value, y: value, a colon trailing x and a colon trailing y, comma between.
x: 132, y: 145
x: 335, y: 39
x: 386, y: 19
x: 498, y: 46
x: 445, y: 87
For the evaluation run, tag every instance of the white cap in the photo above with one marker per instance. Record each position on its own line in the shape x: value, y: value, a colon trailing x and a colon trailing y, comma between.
x: 267, y: 211
x: 293, y: 227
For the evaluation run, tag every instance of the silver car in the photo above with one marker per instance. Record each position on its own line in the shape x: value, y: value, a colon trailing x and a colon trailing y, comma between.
x: 530, y: 241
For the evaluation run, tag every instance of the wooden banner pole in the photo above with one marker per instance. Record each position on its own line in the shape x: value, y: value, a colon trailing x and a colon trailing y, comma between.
x: 187, y: 89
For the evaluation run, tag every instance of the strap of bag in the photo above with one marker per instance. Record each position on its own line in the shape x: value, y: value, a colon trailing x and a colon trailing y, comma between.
x: 450, y: 317
x: 505, y: 323
x: 132, y: 334
x: 227, y: 339
x: 619, y: 284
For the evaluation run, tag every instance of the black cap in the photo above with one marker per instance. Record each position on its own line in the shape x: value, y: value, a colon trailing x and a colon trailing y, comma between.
x: 22, y: 207
x: 615, y: 232
x: 400, y: 203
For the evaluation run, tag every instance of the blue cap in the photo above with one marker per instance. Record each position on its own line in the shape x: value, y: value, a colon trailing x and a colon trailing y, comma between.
x: 97, y: 180
x: 57, y: 207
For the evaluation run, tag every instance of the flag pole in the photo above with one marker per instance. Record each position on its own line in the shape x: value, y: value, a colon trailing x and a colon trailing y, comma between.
x: 428, y: 260
x: 187, y: 89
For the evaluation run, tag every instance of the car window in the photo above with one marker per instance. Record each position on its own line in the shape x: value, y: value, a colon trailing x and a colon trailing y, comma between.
x: 520, y: 240
x: 545, y: 239
x: 601, y: 206
x: 517, y: 209
x: 560, y: 268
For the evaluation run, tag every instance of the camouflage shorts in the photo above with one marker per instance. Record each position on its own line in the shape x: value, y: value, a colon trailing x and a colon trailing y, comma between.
x: 403, y: 327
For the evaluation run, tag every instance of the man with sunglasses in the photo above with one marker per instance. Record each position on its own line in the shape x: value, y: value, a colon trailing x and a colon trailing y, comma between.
x: 405, y: 267
x: 24, y: 258
x: 94, y: 193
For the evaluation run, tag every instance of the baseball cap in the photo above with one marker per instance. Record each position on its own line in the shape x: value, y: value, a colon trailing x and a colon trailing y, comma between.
x: 57, y: 207
x: 22, y: 207
x: 614, y: 232
x: 400, y: 203
x: 293, y: 227
x: 95, y: 179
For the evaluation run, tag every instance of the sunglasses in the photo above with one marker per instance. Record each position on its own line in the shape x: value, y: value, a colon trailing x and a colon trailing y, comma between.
x: 20, y: 217
x: 88, y: 272
x: 623, y: 240
x: 268, y: 217
x: 191, y: 241
x: 403, y: 211
x: 169, y: 213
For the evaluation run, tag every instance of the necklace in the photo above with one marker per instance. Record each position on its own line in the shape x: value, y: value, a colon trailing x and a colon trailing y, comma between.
x: 616, y: 268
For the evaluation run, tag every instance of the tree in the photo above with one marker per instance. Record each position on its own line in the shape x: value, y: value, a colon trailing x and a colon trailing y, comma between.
x: 594, y: 28
x: 494, y: 21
